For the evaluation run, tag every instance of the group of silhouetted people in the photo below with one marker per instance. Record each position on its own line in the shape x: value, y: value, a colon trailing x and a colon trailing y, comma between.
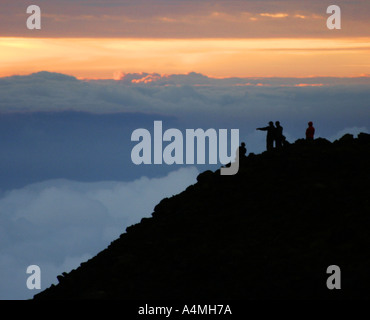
x: 275, y: 135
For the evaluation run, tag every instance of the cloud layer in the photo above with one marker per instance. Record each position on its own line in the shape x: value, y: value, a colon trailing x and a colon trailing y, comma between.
x: 54, y: 126
x: 185, y: 18
x: 59, y: 224
x: 173, y: 95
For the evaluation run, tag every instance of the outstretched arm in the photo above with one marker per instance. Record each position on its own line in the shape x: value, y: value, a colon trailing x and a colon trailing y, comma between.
x: 263, y: 129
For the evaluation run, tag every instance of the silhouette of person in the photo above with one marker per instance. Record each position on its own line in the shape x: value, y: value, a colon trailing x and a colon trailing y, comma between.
x: 271, y: 133
x: 279, y: 138
x: 310, y: 132
x: 242, y: 150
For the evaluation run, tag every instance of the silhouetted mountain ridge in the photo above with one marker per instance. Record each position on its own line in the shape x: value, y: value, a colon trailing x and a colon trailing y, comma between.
x: 270, y: 231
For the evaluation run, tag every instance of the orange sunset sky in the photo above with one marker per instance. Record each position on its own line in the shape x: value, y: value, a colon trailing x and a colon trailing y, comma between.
x: 105, y: 39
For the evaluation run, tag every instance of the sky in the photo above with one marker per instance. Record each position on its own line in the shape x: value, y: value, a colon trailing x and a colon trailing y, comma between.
x: 101, y: 39
x: 72, y: 93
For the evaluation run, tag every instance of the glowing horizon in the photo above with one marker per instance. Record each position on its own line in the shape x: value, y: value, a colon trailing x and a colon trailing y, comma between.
x: 103, y: 58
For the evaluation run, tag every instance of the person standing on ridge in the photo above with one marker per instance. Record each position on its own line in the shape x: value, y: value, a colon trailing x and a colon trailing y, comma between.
x: 242, y: 151
x: 310, y: 132
x: 279, y: 138
x: 271, y: 133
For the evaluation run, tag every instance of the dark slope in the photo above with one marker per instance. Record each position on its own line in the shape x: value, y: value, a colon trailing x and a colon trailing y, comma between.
x: 270, y: 231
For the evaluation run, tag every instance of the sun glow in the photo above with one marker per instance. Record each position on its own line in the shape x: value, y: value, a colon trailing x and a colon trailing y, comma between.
x: 106, y: 58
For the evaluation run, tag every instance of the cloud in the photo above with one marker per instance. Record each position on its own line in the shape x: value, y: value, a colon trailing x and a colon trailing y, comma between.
x: 300, y: 16
x: 188, y: 19
x: 148, y: 92
x: 354, y: 130
x: 274, y: 15
x: 56, y: 126
x: 192, y: 100
x: 59, y: 224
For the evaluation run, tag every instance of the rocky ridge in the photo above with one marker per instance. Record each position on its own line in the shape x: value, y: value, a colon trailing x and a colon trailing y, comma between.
x: 269, y: 232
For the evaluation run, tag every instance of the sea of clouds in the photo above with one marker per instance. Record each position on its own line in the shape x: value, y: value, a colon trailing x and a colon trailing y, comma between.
x: 58, y: 224
x: 68, y: 186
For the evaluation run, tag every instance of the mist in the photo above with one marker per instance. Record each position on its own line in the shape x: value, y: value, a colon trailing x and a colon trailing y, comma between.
x: 58, y: 224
